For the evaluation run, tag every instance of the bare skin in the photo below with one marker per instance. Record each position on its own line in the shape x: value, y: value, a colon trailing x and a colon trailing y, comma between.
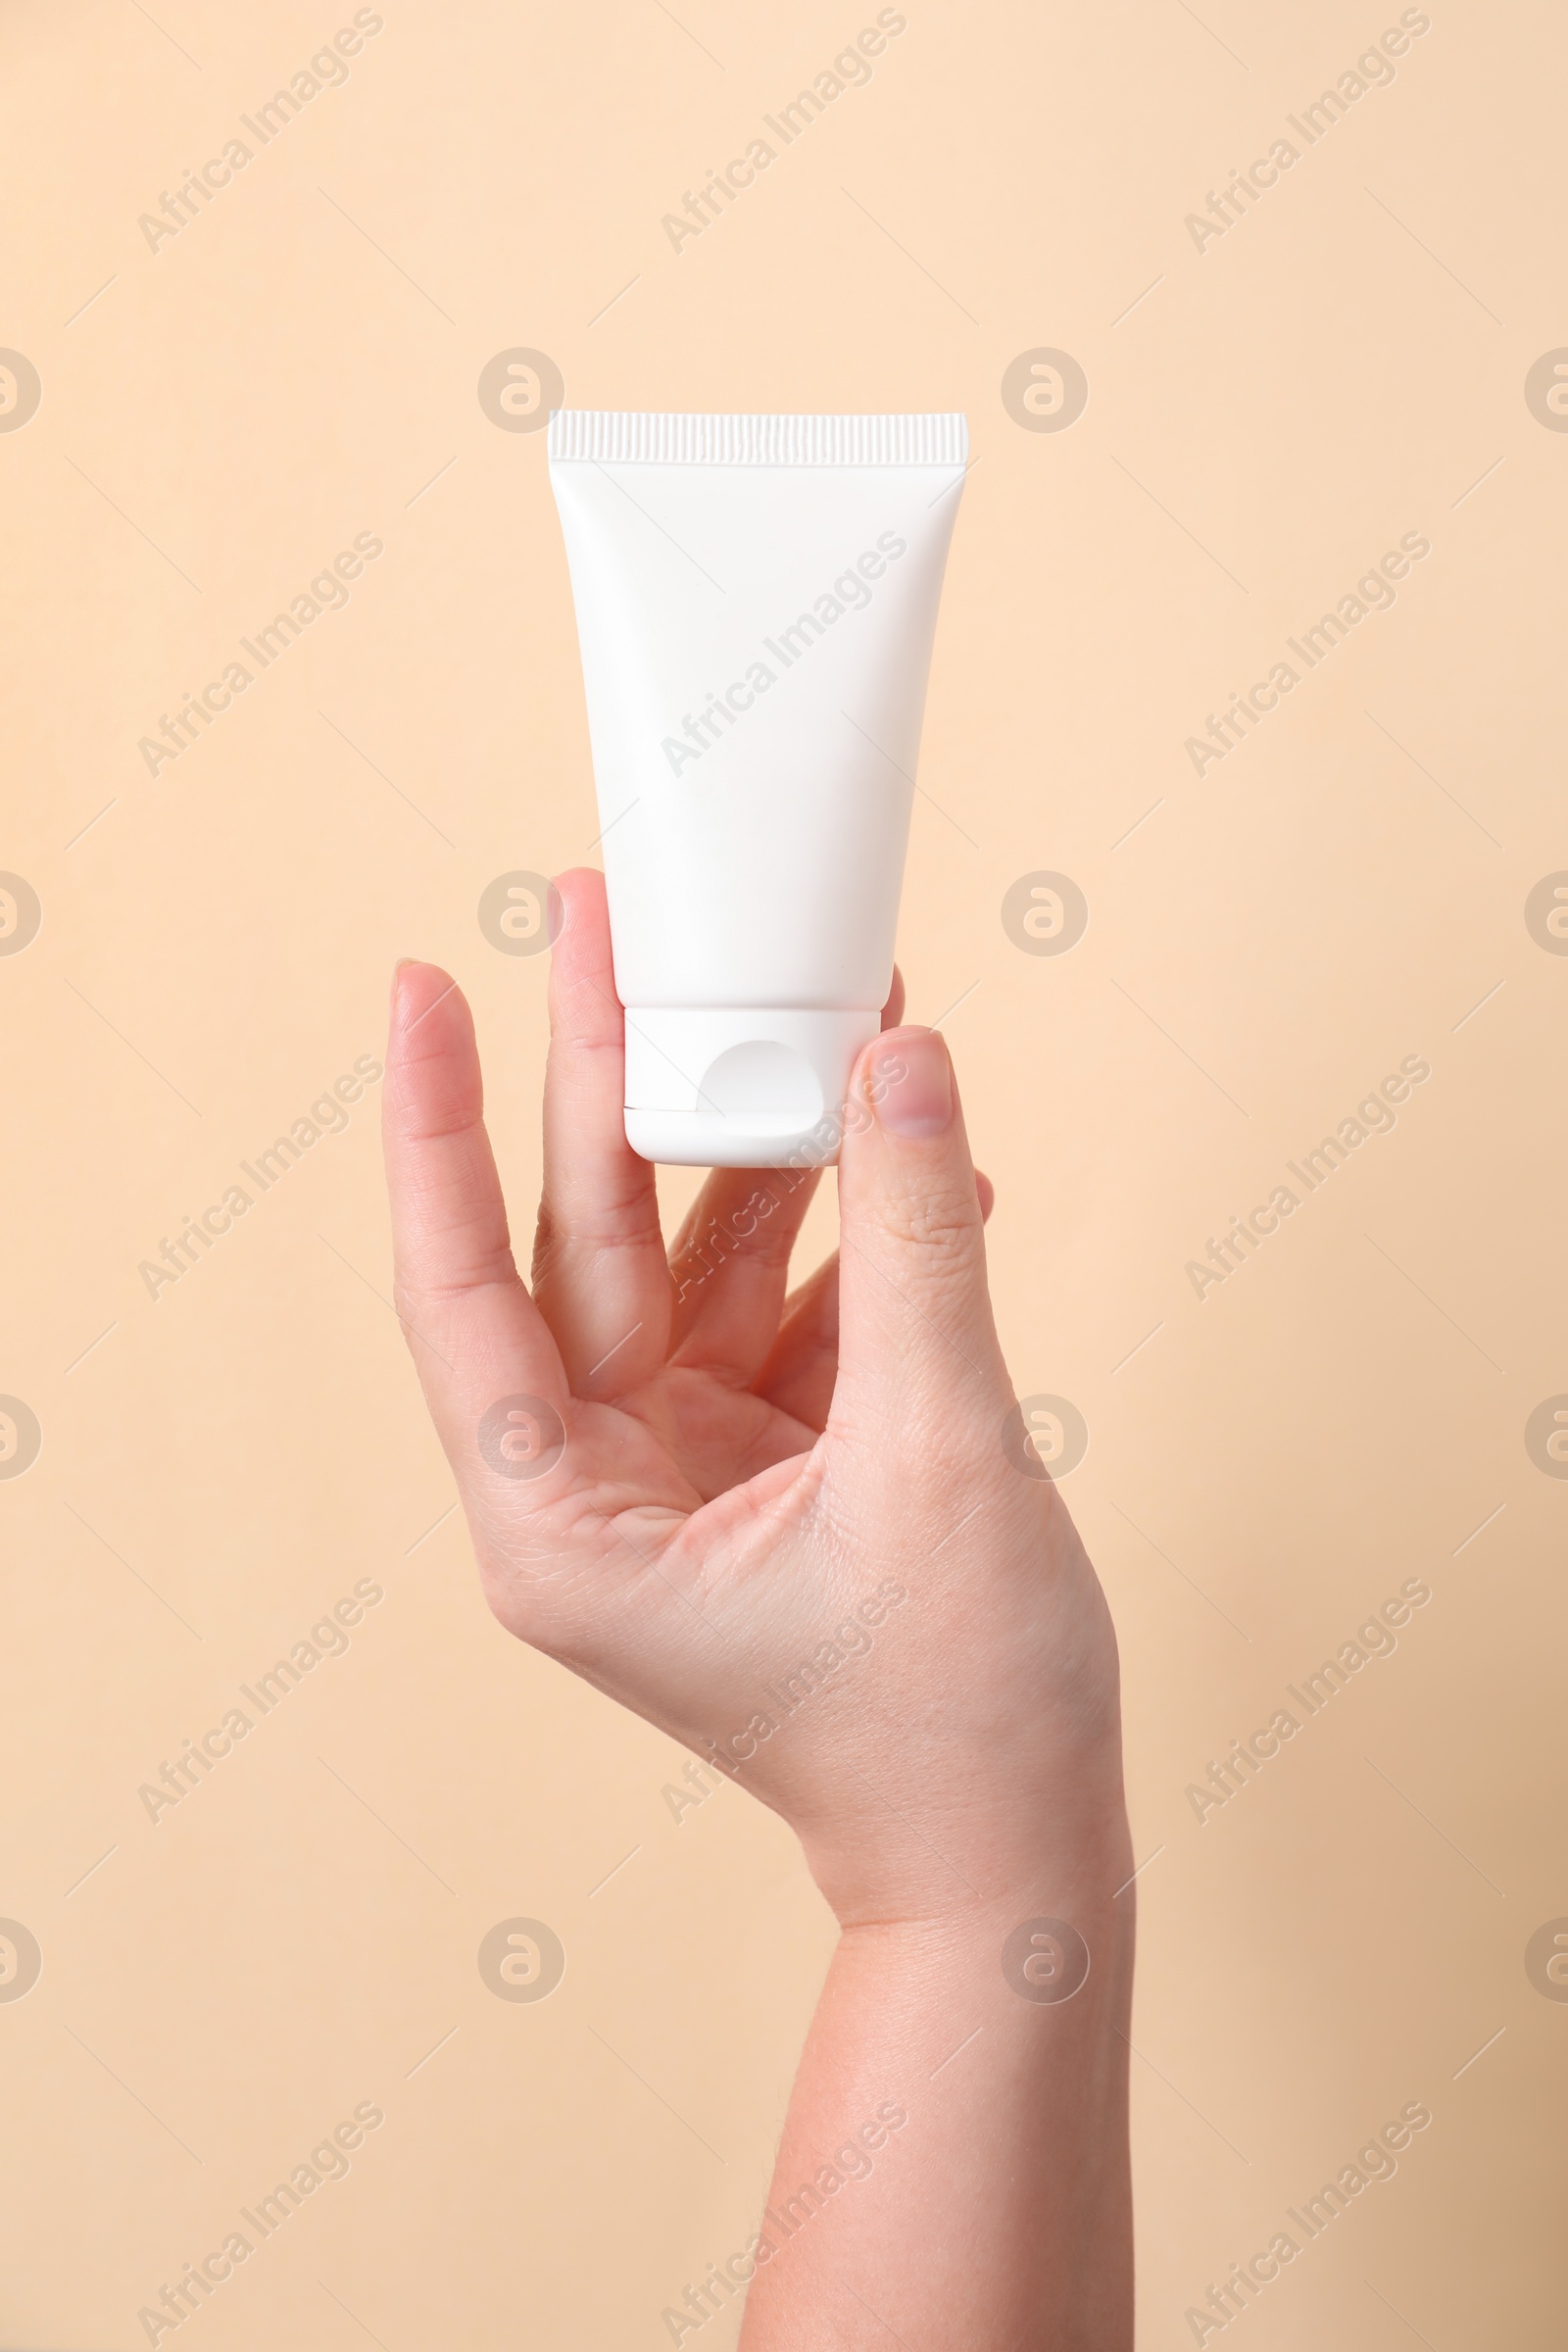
x: 708, y: 1481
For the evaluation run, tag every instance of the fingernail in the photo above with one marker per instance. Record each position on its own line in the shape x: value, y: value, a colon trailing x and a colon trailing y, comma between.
x: 910, y: 1083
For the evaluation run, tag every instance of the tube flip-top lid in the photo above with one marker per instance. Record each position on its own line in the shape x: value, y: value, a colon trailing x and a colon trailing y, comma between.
x: 741, y: 1086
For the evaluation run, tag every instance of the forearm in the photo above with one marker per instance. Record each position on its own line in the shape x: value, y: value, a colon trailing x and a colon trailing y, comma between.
x: 998, y: 2212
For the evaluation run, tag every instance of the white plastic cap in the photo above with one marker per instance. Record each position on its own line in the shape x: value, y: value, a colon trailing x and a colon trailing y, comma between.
x: 740, y: 1086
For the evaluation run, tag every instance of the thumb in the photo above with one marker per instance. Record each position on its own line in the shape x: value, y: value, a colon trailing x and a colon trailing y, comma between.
x: 915, y: 1327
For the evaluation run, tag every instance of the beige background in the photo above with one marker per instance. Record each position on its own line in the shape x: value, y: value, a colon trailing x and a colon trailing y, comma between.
x: 1265, y: 419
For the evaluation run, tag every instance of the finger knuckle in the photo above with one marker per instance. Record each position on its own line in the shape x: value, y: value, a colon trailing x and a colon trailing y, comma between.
x: 939, y: 1230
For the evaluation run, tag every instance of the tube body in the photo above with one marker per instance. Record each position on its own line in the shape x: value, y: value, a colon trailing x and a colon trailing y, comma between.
x: 756, y: 601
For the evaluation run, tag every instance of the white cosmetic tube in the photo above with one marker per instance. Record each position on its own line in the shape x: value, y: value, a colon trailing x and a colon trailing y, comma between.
x: 755, y: 601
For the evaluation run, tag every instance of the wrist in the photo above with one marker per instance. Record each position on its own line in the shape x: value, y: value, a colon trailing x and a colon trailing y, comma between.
x: 969, y: 1865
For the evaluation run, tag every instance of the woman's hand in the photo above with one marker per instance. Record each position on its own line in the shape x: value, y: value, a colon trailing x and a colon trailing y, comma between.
x: 788, y: 1531
x: 707, y: 1479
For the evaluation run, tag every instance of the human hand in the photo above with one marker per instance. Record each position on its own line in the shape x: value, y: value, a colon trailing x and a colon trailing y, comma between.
x: 709, y: 1484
